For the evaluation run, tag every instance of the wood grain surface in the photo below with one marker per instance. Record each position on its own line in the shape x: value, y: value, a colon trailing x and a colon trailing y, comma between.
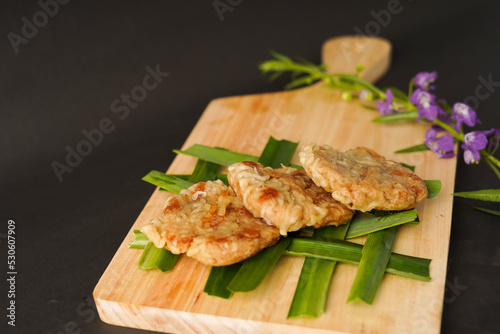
x: 175, y: 302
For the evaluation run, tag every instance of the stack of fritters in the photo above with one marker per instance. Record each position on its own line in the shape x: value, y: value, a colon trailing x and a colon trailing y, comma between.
x: 219, y: 225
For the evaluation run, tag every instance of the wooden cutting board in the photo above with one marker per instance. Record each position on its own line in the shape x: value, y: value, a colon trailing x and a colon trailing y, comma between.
x: 175, y: 302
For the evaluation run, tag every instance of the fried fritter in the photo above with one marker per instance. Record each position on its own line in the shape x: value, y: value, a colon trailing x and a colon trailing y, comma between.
x: 362, y: 179
x: 285, y: 197
x: 209, y: 223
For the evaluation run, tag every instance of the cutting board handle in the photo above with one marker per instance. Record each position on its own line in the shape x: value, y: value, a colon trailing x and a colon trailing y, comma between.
x: 343, y: 54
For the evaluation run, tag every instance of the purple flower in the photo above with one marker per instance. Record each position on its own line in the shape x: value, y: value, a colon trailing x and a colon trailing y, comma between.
x: 425, y: 103
x: 386, y: 107
x: 473, y: 142
x: 462, y: 113
x: 443, y: 116
x: 424, y: 79
x: 443, y: 147
x: 493, y: 135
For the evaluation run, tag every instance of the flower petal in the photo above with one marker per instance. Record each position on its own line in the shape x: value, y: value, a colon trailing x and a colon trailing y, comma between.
x: 430, y: 134
x: 475, y: 140
x: 468, y: 157
x: 429, y: 112
x: 462, y: 113
x: 446, y: 143
x: 423, y: 79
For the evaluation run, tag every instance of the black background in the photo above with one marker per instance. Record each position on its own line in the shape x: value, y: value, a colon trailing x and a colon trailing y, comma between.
x: 64, y: 79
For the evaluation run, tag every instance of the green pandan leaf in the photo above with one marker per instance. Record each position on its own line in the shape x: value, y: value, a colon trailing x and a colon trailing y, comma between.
x: 218, y: 280
x: 277, y: 152
x: 168, y: 182
x: 415, y: 148
x: 411, y: 167
x: 216, y: 155
x: 489, y: 195
x: 375, y: 256
x: 157, y: 258
x: 433, y: 188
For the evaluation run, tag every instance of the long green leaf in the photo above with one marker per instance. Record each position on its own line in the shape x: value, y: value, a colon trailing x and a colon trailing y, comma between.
x: 277, y: 152
x: 410, y: 167
x: 362, y: 226
x: 140, y: 240
x: 311, y: 293
x: 349, y: 252
x: 204, y: 171
x: 377, y: 213
x: 157, y: 258
x: 216, y: 155
x: 490, y: 195
x: 374, y: 259
x: 415, y: 148
x: 222, y: 177
x: 404, y: 116
x: 409, y: 266
x: 218, y: 280
x: 168, y: 182
x: 255, y: 269
x: 433, y: 188
x: 493, y: 212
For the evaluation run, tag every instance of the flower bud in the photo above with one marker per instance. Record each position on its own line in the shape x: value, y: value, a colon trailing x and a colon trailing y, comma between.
x: 346, y: 96
x: 366, y: 96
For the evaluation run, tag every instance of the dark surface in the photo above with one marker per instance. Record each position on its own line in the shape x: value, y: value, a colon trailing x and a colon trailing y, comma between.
x: 66, y: 77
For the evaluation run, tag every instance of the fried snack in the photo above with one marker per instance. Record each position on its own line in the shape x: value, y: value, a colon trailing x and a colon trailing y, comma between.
x: 285, y: 197
x: 362, y: 179
x: 209, y: 223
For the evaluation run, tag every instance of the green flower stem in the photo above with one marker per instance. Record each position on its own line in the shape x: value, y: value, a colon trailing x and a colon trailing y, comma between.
x: 492, y: 159
x: 282, y: 64
x: 407, y: 106
x: 350, y: 78
x: 296, y: 67
x: 453, y: 132
x: 411, y: 86
x: 361, y: 82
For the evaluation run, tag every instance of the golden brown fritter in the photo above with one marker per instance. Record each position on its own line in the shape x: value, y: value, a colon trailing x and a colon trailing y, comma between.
x: 209, y: 223
x: 285, y: 197
x: 362, y: 179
